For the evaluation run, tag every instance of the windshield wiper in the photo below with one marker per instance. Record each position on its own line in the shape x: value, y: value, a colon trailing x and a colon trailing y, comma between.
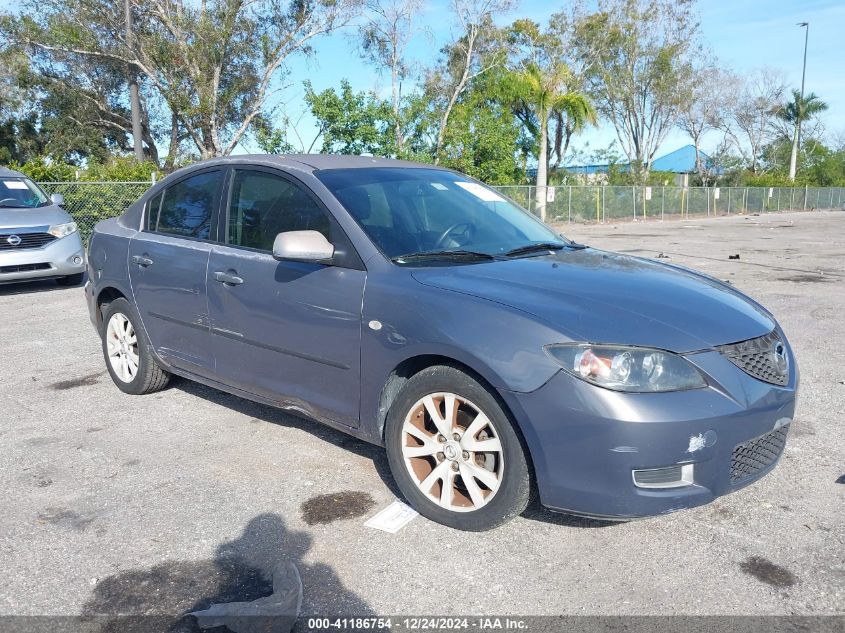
x: 534, y: 248
x: 459, y: 255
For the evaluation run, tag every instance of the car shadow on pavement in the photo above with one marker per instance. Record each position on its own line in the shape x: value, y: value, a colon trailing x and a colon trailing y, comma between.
x: 266, y: 413
x: 159, y: 598
x: 273, y: 415
x: 536, y: 512
x: 37, y: 285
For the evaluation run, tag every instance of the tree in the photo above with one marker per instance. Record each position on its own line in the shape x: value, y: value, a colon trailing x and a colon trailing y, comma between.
x: 751, y: 118
x: 542, y: 89
x: 796, y: 112
x: 384, y: 40
x: 641, y: 52
x: 351, y: 122
x: 477, y: 50
x: 483, y: 135
x: 211, y: 65
x: 542, y: 92
x: 706, y: 107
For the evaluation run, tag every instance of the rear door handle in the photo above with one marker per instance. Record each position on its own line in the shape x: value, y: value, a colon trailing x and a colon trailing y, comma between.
x: 142, y: 260
x: 228, y: 278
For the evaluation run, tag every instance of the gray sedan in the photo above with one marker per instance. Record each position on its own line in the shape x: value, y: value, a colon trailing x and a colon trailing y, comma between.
x: 416, y: 308
x: 38, y: 239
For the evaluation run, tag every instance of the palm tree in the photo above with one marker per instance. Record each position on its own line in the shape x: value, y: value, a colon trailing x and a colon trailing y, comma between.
x: 795, y: 112
x: 543, y: 93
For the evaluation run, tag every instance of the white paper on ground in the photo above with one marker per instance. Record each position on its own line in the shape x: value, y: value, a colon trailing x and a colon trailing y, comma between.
x: 482, y: 193
x: 393, y: 518
x: 15, y: 184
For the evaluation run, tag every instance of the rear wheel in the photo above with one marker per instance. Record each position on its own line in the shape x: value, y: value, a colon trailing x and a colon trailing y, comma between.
x: 454, y: 452
x: 127, y: 353
x: 71, y: 280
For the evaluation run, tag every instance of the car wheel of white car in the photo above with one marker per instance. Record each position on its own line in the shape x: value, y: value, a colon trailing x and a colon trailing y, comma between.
x: 454, y: 452
x: 128, y: 359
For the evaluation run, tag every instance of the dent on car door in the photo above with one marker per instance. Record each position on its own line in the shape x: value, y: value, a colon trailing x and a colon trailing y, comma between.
x: 286, y: 330
x: 167, y: 268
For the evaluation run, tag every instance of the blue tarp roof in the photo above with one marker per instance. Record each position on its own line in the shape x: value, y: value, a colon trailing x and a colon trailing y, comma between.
x: 681, y: 161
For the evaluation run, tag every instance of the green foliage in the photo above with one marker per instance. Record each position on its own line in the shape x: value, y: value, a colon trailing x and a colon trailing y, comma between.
x: 20, y: 139
x: 352, y: 122
x: 802, y: 109
x: 118, y: 169
x: 480, y: 141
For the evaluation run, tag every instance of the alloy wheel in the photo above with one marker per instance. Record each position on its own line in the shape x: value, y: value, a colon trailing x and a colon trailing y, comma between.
x: 452, y: 452
x: 122, y: 347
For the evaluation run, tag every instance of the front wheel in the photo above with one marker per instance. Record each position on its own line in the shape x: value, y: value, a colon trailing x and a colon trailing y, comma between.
x: 129, y: 360
x: 454, y: 452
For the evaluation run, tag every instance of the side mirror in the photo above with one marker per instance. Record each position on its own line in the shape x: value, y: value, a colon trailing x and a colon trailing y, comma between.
x: 57, y: 199
x: 302, y: 246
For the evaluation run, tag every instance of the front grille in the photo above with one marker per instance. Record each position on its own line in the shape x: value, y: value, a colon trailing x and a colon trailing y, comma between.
x: 27, y: 240
x: 764, y: 357
x: 753, y: 456
x: 24, y: 268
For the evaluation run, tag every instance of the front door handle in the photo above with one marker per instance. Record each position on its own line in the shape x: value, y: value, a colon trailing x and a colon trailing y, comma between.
x: 142, y: 260
x: 228, y: 278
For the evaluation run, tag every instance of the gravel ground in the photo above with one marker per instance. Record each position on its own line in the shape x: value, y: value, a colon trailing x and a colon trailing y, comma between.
x: 162, y: 503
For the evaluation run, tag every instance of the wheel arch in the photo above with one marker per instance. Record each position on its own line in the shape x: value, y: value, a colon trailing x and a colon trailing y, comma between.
x: 104, y: 297
x: 413, y: 365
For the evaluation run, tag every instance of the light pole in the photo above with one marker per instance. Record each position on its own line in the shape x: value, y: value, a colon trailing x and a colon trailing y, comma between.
x: 806, y: 27
x: 793, y: 162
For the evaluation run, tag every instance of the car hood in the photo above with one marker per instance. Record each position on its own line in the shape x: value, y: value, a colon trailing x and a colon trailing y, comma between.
x: 40, y: 216
x: 600, y: 297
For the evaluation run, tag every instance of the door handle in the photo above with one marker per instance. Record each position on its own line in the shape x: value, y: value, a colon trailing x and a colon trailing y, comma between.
x: 228, y: 278
x: 142, y: 260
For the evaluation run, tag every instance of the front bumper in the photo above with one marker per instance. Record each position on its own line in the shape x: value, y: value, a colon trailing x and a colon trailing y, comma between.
x: 585, y: 441
x: 59, y: 258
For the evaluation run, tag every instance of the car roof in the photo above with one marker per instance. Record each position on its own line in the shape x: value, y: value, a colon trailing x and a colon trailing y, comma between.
x: 316, y: 162
x: 5, y: 172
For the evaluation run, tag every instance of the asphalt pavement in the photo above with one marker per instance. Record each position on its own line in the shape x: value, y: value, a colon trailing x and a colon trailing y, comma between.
x: 170, y: 502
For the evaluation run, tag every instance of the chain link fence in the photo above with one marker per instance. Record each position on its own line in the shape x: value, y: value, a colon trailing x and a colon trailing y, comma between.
x: 606, y: 203
x: 90, y: 202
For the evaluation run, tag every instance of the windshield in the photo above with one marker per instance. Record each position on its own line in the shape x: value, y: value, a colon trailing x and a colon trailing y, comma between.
x: 21, y: 193
x: 411, y: 211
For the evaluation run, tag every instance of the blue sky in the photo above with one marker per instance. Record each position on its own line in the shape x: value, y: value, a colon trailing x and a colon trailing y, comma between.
x: 743, y: 34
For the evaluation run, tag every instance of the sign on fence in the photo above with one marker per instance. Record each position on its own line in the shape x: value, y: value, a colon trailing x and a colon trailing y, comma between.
x: 648, y: 193
x: 716, y: 193
x: 550, y: 194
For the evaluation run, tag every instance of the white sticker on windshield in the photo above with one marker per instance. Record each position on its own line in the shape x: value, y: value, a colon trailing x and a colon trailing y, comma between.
x: 439, y: 186
x: 15, y: 184
x: 482, y: 193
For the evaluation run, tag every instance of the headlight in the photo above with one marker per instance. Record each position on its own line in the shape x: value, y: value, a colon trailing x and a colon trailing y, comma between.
x: 60, y: 230
x: 633, y: 369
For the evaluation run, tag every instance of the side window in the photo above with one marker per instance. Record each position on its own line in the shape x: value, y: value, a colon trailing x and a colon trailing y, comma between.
x: 188, y: 206
x: 262, y: 205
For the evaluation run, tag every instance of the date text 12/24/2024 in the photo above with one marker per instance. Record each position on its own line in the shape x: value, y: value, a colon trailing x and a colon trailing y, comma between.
x: 416, y: 623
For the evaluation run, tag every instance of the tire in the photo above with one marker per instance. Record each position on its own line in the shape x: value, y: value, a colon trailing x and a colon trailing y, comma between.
x: 124, y: 346
x: 70, y: 280
x: 484, y: 460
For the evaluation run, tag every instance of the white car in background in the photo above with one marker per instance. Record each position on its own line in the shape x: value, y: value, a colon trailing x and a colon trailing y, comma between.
x: 38, y: 239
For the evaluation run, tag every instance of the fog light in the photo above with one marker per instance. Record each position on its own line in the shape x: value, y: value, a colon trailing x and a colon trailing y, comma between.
x: 675, y: 476
x: 77, y: 259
